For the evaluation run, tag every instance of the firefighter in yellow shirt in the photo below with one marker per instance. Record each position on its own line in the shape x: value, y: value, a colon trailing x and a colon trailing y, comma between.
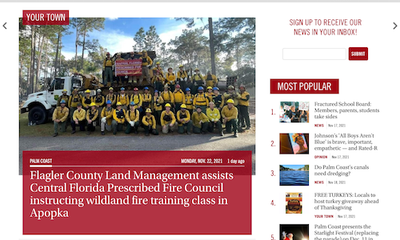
x: 149, y: 123
x: 209, y: 94
x: 91, y: 116
x: 98, y: 100
x: 198, y: 79
x: 214, y: 118
x: 111, y: 96
x: 181, y: 77
x: 211, y: 80
x: 179, y: 97
x: 146, y: 98
x: 243, y: 107
x: 218, y: 99
x: 168, y: 97
x: 158, y: 81
x: 146, y: 63
x: 170, y: 79
x: 189, y: 100
x: 132, y: 119
x: 78, y: 118
x: 200, y: 100
x: 168, y: 121
x: 64, y: 97
x: 118, y: 121
x: 158, y: 69
x: 74, y: 99
x: 229, y: 115
x: 231, y: 94
x: 184, y: 121
x: 108, y: 63
x: 123, y: 98
x: 200, y: 121
x: 158, y: 102
x: 60, y: 116
x: 137, y: 99
x: 106, y: 117
x: 86, y: 100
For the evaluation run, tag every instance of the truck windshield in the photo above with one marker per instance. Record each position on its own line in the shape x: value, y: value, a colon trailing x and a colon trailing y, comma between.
x: 57, y: 84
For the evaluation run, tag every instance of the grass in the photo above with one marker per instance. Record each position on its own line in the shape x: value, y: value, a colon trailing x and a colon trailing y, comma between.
x: 37, y: 130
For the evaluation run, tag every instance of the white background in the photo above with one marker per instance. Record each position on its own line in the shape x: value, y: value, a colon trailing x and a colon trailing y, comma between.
x: 375, y: 80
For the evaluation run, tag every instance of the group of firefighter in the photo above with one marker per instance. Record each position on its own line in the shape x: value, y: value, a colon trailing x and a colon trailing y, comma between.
x: 199, y: 113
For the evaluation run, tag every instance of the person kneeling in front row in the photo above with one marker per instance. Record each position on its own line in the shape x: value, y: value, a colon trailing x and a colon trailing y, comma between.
x: 79, y: 118
x: 106, y: 117
x: 60, y: 116
x: 184, y: 121
x: 149, y: 123
x: 229, y: 115
x: 168, y: 120
x: 132, y: 119
x: 200, y: 121
x: 214, y: 116
x: 118, y: 119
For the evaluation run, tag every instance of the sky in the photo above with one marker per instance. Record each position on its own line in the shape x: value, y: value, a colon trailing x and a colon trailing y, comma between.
x: 118, y: 33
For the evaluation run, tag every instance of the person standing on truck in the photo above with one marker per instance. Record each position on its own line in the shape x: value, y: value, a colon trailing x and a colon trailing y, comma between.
x: 108, y: 63
x: 111, y: 96
x: 181, y: 77
x: 214, y: 117
x: 211, y: 80
x: 179, y: 97
x: 86, y: 100
x: 118, y: 121
x: 120, y: 79
x: 184, y: 121
x: 149, y: 123
x: 73, y: 101
x: 132, y: 119
x: 106, y: 117
x: 170, y: 79
x: 243, y: 107
x: 158, y: 82
x: 79, y: 118
x: 168, y: 120
x: 198, y: 79
x: 60, y: 116
x: 123, y: 98
x: 229, y: 115
x: 146, y: 63
x: 189, y: 100
x: 91, y: 116
x: 64, y: 97
x: 158, y: 69
x: 158, y: 102
x: 200, y: 99
x: 200, y: 121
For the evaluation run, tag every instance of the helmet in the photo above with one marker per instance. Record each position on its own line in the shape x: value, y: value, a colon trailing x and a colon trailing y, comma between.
x: 122, y: 89
x: 111, y: 89
x: 242, y: 86
x: 65, y: 90
x: 178, y: 86
x: 209, y: 88
x: 231, y: 87
x: 62, y: 101
x: 180, y: 65
x: 144, y: 51
x: 196, y: 69
x: 132, y: 104
x: 167, y: 105
x: 215, y: 88
x: 107, y: 53
x: 157, y: 63
x: 155, y: 90
x: 135, y: 89
x: 108, y: 102
x: 229, y: 101
x: 93, y: 104
x: 146, y: 88
x: 119, y: 104
x: 187, y: 89
x: 98, y: 90
x: 183, y: 106
x: 148, y: 110
x: 200, y: 88
x: 87, y: 91
x: 118, y: 54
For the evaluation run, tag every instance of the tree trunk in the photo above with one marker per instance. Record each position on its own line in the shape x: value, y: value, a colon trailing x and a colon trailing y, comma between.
x: 56, y: 60
x: 32, y: 63
x: 83, y: 45
x: 76, y: 48
x: 212, y: 50
x: 39, y: 62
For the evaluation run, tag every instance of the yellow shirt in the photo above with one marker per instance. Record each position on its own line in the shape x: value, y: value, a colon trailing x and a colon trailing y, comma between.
x: 157, y: 103
x: 211, y: 80
x: 149, y: 121
x: 92, y: 114
x: 108, y: 63
x: 183, y: 116
x: 172, y: 116
x: 181, y: 74
x: 112, y: 98
x: 108, y: 114
x: 179, y: 96
x: 213, y: 115
x: 200, y: 99
x: 189, y: 101
x: 168, y: 97
x: 79, y: 115
x: 146, y: 61
x: 132, y: 115
x: 196, y: 118
x: 60, y: 113
x: 99, y: 100
x: 124, y: 100
x: 119, y: 115
x: 229, y: 113
x: 244, y: 99
x: 74, y: 100
x: 137, y: 99
x: 170, y: 78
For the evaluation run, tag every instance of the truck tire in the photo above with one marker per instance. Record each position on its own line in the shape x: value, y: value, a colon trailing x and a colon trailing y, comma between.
x: 37, y: 115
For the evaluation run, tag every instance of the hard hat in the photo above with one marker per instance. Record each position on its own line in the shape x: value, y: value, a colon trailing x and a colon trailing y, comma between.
x: 93, y: 104
x: 200, y: 88
x: 180, y: 65
x: 183, y: 106
x: 166, y: 86
x: 231, y: 87
x: 99, y: 90
x: 119, y: 104
x: 65, y: 90
x: 132, y: 104
x: 178, y: 86
x: 111, y: 89
x: 148, y: 110
x: 118, y: 54
x: 167, y: 105
x: 144, y: 51
x: 156, y: 91
x: 196, y: 69
x: 187, y: 89
x: 208, y: 88
x: 108, y: 102
x: 215, y: 88
x: 62, y: 101
x: 135, y: 89
x: 122, y: 89
x: 158, y: 63
x: 242, y: 86
x: 87, y: 91
x: 107, y: 53
x: 146, y: 88
x: 229, y: 101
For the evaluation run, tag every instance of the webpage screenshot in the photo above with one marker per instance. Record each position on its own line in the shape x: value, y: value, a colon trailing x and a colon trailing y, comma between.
x: 137, y: 120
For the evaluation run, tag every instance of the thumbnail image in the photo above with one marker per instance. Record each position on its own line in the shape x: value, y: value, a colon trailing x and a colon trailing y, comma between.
x: 294, y: 175
x: 294, y: 203
x: 294, y: 112
x: 148, y: 84
x: 293, y: 143
x: 294, y: 231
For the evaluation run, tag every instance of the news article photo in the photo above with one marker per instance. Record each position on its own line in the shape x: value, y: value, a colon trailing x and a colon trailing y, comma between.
x: 148, y: 84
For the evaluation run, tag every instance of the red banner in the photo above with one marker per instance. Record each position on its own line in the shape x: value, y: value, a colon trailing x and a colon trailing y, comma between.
x: 304, y: 86
x: 128, y: 67
x: 45, y: 17
x: 137, y: 192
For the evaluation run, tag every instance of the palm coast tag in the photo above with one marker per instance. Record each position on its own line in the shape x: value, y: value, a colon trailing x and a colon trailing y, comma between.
x: 294, y: 203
